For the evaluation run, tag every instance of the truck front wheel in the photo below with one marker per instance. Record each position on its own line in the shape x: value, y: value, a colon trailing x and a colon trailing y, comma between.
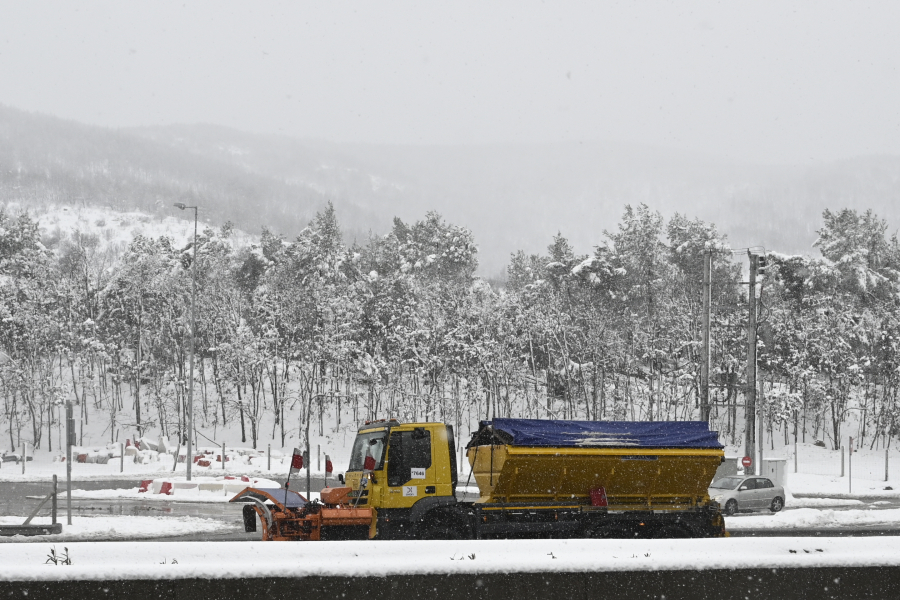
x: 249, y: 514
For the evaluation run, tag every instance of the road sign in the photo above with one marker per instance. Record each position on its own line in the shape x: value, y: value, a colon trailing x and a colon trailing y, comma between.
x: 746, y: 461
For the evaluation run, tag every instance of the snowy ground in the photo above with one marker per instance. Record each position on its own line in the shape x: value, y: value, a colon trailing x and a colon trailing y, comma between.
x: 108, y: 560
x: 117, y: 229
x: 44, y: 465
x: 118, y: 528
x: 834, y: 486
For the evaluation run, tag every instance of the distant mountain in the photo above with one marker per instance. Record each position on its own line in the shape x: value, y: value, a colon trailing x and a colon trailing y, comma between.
x: 518, y: 196
x: 511, y: 196
x: 48, y: 161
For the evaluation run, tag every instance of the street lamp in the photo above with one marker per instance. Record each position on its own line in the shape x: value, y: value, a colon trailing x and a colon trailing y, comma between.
x: 190, y: 412
x: 844, y: 414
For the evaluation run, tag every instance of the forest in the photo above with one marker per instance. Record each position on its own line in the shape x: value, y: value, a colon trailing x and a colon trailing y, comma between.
x: 293, y: 335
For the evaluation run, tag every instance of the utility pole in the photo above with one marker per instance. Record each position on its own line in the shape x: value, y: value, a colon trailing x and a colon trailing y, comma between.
x: 750, y: 390
x: 704, y: 359
x: 70, y: 441
x: 190, y: 410
x: 308, y: 461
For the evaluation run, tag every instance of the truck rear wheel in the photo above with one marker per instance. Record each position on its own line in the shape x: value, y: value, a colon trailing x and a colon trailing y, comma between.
x: 672, y: 532
x: 440, y: 532
x: 612, y: 531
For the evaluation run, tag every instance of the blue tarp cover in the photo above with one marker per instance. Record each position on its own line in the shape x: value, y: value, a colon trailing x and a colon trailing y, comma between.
x: 612, y: 434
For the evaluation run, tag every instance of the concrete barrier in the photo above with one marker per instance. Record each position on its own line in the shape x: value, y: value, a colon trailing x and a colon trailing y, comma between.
x: 712, y: 584
x: 27, y: 530
x: 185, y: 485
x: 228, y: 484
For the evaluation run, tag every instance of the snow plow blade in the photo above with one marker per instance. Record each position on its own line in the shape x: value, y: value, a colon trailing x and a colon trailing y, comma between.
x: 286, y: 515
x: 279, y: 497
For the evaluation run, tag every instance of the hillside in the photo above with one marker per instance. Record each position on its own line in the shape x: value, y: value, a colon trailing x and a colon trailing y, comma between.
x: 511, y: 196
x: 46, y: 161
x: 518, y: 196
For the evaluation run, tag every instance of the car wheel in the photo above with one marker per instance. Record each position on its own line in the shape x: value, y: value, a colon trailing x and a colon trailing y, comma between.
x: 777, y: 504
x: 730, y: 507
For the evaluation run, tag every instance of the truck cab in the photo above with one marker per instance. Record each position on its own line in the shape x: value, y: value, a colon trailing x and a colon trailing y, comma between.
x: 410, y: 478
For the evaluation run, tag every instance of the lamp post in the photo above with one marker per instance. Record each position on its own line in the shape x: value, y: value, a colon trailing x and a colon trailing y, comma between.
x: 4, y: 359
x: 190, y: 411
x: 849, y: 447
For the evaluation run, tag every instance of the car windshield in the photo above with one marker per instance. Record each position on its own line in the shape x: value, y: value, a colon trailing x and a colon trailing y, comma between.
x: 727, y: 483
x: 371, y: 443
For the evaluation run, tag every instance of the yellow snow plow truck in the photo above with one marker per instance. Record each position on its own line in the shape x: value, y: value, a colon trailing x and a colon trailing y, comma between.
x: 535, y: 478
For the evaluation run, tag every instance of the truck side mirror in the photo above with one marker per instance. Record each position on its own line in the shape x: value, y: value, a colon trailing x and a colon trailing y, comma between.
x: 341, y: 477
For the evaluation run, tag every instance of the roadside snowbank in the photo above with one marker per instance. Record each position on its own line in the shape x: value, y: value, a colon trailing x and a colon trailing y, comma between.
x: 223, y: 560
x: 811, y: 518
x: 124, y: 528
x: 807, y: 502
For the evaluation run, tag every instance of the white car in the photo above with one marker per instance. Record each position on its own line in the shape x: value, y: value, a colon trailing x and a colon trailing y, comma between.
x: 738, y: 493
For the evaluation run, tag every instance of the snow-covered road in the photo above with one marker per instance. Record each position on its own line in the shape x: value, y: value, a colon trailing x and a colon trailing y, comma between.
x: 107, y: 527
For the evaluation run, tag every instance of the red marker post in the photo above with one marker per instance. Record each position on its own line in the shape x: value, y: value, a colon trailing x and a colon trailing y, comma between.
x: 296, y: 465
x: 328, y: 468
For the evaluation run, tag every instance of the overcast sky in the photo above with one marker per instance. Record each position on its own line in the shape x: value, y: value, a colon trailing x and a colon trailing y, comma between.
x: 763, y: 81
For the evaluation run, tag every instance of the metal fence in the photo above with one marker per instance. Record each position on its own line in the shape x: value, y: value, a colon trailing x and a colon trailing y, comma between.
x: 864, y: 463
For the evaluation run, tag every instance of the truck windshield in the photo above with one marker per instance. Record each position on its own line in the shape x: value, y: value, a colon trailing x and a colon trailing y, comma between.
x: 371, y: 443
x: 727, y: 483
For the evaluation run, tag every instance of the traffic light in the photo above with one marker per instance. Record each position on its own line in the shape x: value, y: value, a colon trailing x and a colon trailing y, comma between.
x: 761, y: 264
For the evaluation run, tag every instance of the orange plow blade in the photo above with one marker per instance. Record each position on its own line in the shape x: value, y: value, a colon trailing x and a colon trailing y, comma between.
x: 286, y: 515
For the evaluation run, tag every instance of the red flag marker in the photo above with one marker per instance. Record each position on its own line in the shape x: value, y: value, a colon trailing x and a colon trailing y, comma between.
x: 297, y: 460
x: 369, y: 463
x: 328, y: 466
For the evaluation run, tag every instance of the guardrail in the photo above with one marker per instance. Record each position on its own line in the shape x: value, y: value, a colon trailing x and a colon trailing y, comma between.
x: 709, y: 584
x: 27, y: 528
